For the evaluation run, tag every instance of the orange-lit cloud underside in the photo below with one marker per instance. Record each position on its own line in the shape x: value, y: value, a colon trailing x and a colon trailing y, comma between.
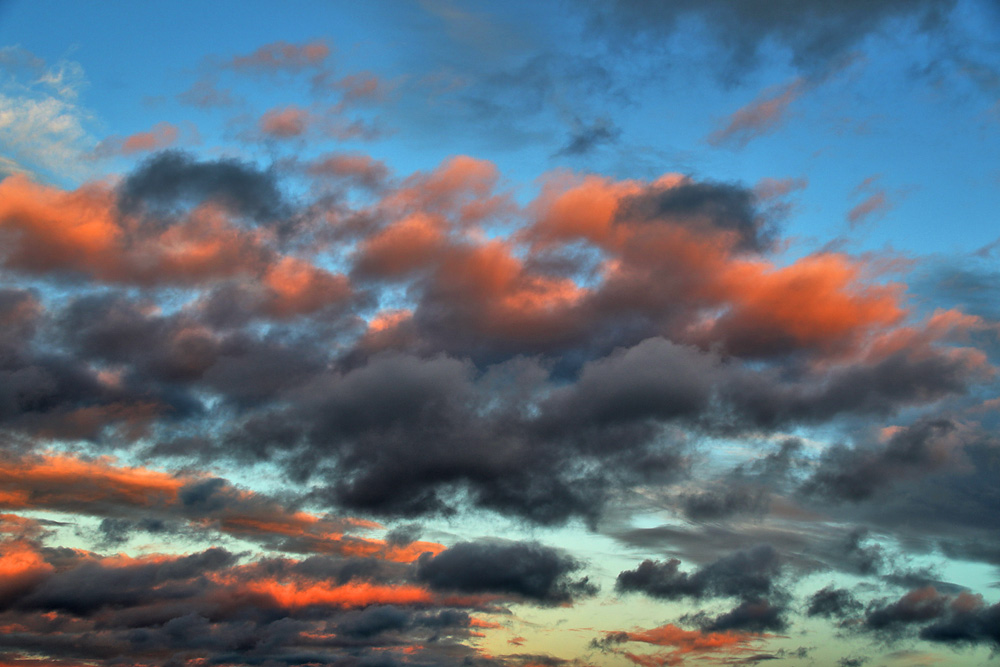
x: 101, y: 488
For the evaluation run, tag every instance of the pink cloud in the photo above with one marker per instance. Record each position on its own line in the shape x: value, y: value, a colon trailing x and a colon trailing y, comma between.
x: 761, y: 117
x: 282, y: 56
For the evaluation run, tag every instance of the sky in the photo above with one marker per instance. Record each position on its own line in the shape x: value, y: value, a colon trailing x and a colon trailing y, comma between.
x: 438, y: 333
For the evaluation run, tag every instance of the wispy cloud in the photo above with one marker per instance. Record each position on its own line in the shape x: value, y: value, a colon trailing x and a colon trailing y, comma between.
x: 761, y: 117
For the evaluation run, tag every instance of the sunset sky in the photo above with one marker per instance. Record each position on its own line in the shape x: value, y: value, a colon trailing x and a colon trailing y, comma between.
x: 499, y: 334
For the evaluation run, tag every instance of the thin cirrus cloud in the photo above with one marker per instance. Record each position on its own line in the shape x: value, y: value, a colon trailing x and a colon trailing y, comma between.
x: 761, y: 117
x: 281, y: 56
x: 876, y: 202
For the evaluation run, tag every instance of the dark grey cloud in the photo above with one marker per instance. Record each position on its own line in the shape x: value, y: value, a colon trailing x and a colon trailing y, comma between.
x: 918, y: 606
x: 705, y: 205
x: 115, y: 532
x: 155, y: 609
x: 90, y: 586
x: 526, y: 569
x: 831, y: 602
x: 815, y: 34
x: 858, y: 473
x: 172, y: 179
x: 755, y: 615
x: 852, y: 662
x: 882, y: 387
x: 655, y: 379
x: 174, y: 353
x: 45, y: 389
x: 724, y: 503
x: 484, y: 440
x: 586, y: 138
x: 746, y: 574
x: 968, y: 623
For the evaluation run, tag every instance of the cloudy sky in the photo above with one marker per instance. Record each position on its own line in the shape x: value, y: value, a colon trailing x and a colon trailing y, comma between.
x: 583, y: 333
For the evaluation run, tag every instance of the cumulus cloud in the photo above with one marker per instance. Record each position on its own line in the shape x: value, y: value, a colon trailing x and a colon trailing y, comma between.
x: 420, y: 346
x: 529, y: 570
x: 747, y: 574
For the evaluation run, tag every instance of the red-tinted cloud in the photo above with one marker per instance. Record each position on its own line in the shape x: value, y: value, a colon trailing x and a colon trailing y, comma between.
x: 761, y: 117
x: 160, y: 136
x: 285, y: 123
x: 696, y: 644
x: 99, y: 487
x: 282, y: 57
x: 84, y: 231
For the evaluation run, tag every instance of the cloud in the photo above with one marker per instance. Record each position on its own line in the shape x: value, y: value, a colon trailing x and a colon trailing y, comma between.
x: 918, y: 606
x: 360, y: 88
x: 833, y: 602
x: 728, y: 502
x: 17, y: 58
x: 43, y: 129
x: 875, y: 205
x: 775, y: 188
x: 173, y: 177
x: 284, y: 123
x: 353, y: 168
x: 746, y: 574
x: 679, y: 318
x: 688, y: 392
x: 205, y: 94
x: 160, y: 136
x: 694, y: 643
x: 136, y: 498
x: 858, y: 473
x: 46, y: 133
x: 748, y: 616
x: 815, y: 35
x: 529, y: 570
x: 761, y: 117
x: 145, y: 234
x: 297, y: 123
x: 585, y: 138
x: 281, y: 56
x: 206, y: 605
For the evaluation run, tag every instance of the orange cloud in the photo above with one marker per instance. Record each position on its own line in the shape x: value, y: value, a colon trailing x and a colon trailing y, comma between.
x: 298, y: 287
x: 99, y: 487
x: 570, y: 209
x: 68, y: 483
x: 355, y: 167
x: 761, y: 117
x: 876, y: 204
x: 686, y: 272
x: 160, y: 136
x: 291, y: 121
x: 282, y: 56
x: 460, y: 189
x: 405, y: 246
x: 816, y: 303
x: 354, y: 595
x: 47, y: 229
x: 685, y: 643
x: 21, y: 567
